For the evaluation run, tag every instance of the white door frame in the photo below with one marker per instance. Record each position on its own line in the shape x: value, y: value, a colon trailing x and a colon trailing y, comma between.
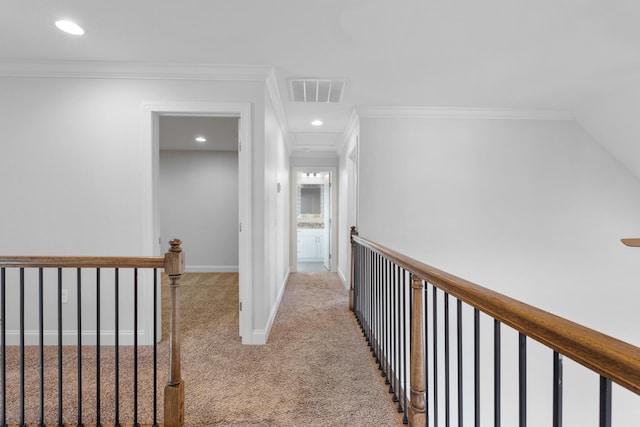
x: 151, y: 112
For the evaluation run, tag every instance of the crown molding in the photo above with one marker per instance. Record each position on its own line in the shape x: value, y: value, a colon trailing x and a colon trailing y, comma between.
x: 465, y: 113
x: 350, y: 127
x: 133, y: 70
x: 271, y: 83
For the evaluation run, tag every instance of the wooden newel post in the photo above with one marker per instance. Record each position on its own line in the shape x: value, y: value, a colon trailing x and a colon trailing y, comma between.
x: 417, y: 407
x: 174, y: 390
x: 353, y: 266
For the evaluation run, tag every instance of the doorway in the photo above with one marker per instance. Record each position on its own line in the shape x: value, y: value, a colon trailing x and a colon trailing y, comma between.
x: 313, y: 219
x: 198, y: 189
x: 150, y: 168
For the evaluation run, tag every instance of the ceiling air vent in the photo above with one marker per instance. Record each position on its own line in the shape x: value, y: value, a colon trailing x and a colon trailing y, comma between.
x: 316, y: 90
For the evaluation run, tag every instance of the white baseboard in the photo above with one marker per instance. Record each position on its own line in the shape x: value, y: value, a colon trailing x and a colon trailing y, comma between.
x: 345, y: 282
x: 211, y: 269
x: 260, y: 336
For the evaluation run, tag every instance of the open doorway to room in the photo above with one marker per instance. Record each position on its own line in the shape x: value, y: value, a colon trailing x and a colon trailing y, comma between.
x: 314, y: 214
x: 154, y: 242
x: 198, y: 201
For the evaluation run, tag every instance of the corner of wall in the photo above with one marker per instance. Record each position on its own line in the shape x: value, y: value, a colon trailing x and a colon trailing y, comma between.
x: 260, y: 336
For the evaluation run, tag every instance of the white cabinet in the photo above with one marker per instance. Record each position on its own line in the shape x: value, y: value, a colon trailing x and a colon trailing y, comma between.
x: 310, y: 244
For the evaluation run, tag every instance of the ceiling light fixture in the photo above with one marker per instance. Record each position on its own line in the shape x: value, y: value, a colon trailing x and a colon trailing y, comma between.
x: 70, y: 27
x: 316, y: 122
x: 201, y: 139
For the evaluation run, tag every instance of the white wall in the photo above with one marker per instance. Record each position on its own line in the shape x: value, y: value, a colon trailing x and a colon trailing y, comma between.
x: 318, y: 159
x: 199, y: 202
x: 532, y: 209
x: 70, y: 164
x: 612, y: 119
x: 275, y: 221
x: 348, y: 171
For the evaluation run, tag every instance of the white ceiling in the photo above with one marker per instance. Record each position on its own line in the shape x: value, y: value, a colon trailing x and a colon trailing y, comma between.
x: 543, y: 54
x: 179, y: 133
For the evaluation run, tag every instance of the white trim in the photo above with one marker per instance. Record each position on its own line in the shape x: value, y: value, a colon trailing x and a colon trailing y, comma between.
x: 211, y: 269
x: 149, y: 169
x: 134, y: 70
x: 271, y: 82
x: 345, y: 283
x: 350, y: 127
x: 465, y: 113
x: 259, y: 336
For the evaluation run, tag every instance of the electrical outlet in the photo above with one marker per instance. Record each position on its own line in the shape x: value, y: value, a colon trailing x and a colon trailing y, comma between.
x: 65, y: 296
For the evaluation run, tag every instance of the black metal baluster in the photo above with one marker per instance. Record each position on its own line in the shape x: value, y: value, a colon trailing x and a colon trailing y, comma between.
x: 406, y: 286
x: 135, y: 347
x: 396, y: 325
x: 117, y: 348
x: 41, y: 342
x: 79, y: 305
x: 557, y: 389
x: 377, y: 308
x: 605, y: 402
x: 403, y: 347
x: 522, y: 374
x: 3, y: 338
x: 476, y: 367
x: 356, y: 267
x: 374, y: 305
x: 435, y: 355
x: 385, y: 310
x: 155, y: 347
x: 372, y: 309
x: 369, y: 295
x: 426, y: 350
x: 447, y: 385
x: 496, y: 373
x: 379, y: 334
x: 387, y: 321
x: 405, y: 419
x: 98, y: 347
x: 22, y: 395
x: 358, y: 281
x: 459, y: 347
x: 60, y: 347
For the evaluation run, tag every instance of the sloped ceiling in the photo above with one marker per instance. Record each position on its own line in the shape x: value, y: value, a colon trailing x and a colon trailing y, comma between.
x: 545, y: 54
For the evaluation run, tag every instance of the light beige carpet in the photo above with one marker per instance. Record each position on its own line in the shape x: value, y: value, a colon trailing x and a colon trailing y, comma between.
x: 316, y: 369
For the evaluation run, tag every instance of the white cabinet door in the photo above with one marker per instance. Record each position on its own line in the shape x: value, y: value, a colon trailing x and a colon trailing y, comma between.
x: 310, y: 245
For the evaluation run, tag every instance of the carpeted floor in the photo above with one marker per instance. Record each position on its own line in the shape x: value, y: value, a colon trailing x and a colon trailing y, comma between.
x: 315, y: 370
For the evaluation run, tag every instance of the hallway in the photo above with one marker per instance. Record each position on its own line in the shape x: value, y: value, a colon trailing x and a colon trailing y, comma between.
x: 315, y: 370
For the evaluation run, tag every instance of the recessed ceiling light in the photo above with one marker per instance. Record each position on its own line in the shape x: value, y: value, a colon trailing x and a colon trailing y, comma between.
x: 70, y: 27
x: 317, y: 123
x: 201, y: 139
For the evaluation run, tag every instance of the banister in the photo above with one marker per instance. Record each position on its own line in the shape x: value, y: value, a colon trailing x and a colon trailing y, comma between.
x: 81, y: 262
x: 603, y: 354
x: 631, y: 242
x: 174, y: 390
x: 173, y: 263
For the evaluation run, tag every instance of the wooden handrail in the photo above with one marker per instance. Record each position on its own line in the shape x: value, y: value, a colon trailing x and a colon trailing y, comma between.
x: 603, y: 354
x: 81, y: 262
x: 635, y: 242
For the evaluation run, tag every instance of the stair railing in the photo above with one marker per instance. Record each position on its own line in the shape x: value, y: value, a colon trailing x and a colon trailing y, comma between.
x: 396, y: 301
x: 21, y: 267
